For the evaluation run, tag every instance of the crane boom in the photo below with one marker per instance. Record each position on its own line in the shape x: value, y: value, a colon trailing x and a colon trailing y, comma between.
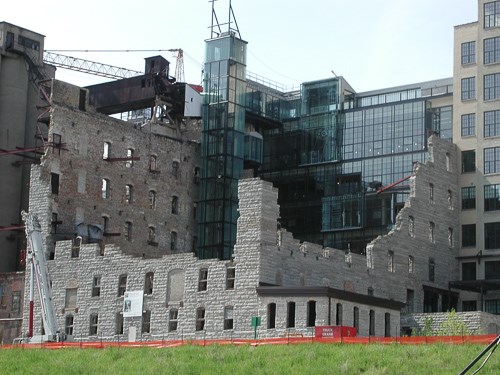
x: 39, y: 271
x: 87, y: 66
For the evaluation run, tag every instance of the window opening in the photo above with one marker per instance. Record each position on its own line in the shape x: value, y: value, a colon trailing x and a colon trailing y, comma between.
x: 106, y: 150
x: 175, y: 204
x: 175, y: 169
x: 148, y: 283
x: 122, y: 285
x: 54, y: 182
x: 119, y: 323
x: 130, y: 161
x: 152, y: 199
x: 69, y: 325
x: 128, y: 231
x: 290, y: 315
x: 311, y: 313
x: 338, y: 315
x: 202, y: 280
x: 271, y: 316
x: 230, y: 277
x: 105, y: 188
x: 128, y: 194
x: 173, y: 241
x: 200, y: 319
x: 96, y: 286
x: 172, y: 320
x: 146, y: 322
x: 94, y: 322
x: 228, y: 317
x: 371, y: 328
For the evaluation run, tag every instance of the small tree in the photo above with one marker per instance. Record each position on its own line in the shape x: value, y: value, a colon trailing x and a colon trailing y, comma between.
x: 453, y: 326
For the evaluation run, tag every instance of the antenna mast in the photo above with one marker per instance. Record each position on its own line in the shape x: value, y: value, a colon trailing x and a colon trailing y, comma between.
x: 215, y: 27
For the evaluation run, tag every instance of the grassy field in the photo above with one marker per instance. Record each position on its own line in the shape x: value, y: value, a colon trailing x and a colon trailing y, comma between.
x: 266, y: 359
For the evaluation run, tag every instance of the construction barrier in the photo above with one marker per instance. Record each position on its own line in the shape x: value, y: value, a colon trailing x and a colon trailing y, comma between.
x: 414, y: 340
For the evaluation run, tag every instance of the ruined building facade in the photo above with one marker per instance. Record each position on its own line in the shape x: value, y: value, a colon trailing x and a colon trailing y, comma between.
x: 321, y: 206
x: 291, y: 285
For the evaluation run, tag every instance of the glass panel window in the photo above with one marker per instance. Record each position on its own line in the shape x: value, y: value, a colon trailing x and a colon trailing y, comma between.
x: 492, y: 50
x: 469, y: 235
x: 492, y: 270
x: 492, y: 306
x: 468, y: 161
x: 491, y: 123
x: 468, y: 125
x: 491, y: 86
x: 469, y: 88
x: 468, y: 198
x: 492, y: 236
x: 492, y: 197
x: 491, y: 14
x: 468, y: 53
x: 469, y: 271
x: 492, y: 160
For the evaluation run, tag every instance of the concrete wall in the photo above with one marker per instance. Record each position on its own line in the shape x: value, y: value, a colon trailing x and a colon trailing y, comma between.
x: 18, y: 122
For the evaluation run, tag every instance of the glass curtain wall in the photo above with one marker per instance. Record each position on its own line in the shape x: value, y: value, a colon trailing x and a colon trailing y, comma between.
x: 222, y: 145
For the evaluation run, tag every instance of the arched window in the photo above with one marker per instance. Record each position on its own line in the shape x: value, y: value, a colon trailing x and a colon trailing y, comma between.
x: 175, y: 205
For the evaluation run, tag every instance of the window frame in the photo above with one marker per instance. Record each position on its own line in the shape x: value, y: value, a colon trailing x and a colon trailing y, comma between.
x: 203, y: 279
x: 468, y: 88
x: 491, y: 160
x: 96, y: 286
x: 468, y: 125
x: 469, y: 236
x: 94, y: 324
x: 468, y: 53
x: 491, y: 86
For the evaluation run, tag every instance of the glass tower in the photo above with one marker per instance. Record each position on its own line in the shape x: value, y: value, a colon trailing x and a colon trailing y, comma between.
x: 222, y: 144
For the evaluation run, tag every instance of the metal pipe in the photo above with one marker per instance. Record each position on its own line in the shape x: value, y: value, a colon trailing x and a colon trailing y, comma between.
x: 493, y: 343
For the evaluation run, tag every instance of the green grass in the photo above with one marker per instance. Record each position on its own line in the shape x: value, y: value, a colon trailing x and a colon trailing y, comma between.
x: 265, y: 359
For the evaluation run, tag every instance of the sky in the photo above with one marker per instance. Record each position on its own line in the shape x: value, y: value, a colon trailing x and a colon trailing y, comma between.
x: 373, y: 44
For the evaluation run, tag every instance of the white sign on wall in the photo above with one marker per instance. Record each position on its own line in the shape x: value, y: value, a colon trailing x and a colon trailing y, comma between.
x: 132, y: 303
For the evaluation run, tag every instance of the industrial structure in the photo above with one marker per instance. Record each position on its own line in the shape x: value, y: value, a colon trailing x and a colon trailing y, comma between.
x: 212, y: 206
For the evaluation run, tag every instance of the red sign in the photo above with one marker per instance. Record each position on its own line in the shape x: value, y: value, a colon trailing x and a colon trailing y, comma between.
x: 335, y: 331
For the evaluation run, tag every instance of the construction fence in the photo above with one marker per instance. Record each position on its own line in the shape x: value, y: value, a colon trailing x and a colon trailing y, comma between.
x: 414, y: 340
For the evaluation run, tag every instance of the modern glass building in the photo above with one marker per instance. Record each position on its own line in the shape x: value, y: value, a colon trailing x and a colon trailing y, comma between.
x: 329, y: 150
